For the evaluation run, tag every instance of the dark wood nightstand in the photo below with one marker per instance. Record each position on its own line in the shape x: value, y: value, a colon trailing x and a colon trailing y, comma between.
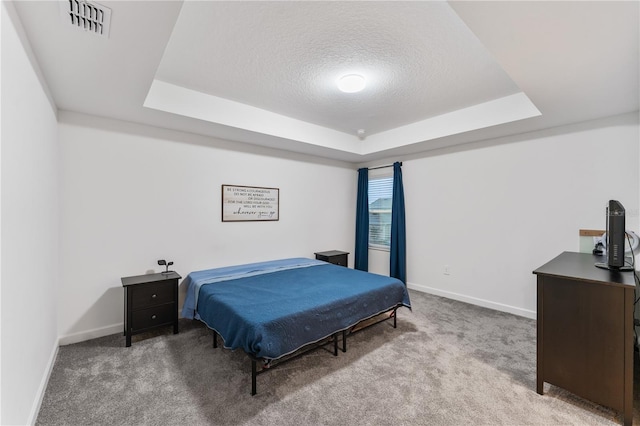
x: 150, y: 301
x: 334, y: 256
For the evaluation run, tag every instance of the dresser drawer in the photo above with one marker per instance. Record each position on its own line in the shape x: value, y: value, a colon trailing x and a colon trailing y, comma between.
x: 147, y: 295
x: 151, y: 317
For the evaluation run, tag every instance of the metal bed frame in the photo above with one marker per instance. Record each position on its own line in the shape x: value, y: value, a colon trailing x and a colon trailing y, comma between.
x: 267, y: 364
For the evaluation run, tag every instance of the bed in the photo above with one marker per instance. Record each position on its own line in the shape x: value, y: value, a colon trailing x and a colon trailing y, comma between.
x: 274, y: 309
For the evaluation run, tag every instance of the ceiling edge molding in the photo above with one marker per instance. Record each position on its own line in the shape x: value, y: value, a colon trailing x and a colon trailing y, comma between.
x: 498, y: 111
x: 179, y: 100
x: 116, y: 125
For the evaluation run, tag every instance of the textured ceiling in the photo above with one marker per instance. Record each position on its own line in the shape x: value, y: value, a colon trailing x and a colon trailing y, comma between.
x: 263, y: 73
x: 420, y: 60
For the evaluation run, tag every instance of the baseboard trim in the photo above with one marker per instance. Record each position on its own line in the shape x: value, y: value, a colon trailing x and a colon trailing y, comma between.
x: 61, y: 341
x: 474, y: 301
x: 91, y: 334
x: 37, y: 403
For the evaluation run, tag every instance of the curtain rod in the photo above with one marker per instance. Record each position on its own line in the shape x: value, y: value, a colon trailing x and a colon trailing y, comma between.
x: 382, y: 167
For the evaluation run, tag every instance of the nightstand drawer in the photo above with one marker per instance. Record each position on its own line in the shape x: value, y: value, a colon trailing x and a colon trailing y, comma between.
x: 339, y: 260
x: 151, y: 317
x: 147, y: 295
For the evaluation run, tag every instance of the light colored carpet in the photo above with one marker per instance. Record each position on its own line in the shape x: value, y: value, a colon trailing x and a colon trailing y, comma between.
x: 447, y: 363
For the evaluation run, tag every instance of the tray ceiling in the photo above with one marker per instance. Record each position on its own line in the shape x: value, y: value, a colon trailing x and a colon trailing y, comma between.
x: 438, y: 73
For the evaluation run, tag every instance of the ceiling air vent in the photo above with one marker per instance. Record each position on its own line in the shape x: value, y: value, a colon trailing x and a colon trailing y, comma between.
x: 87, y: 16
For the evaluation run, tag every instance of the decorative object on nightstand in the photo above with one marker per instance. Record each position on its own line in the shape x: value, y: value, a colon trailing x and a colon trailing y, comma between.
x: 164, y: 263
x: 150, y: 301
x: 334, y: 256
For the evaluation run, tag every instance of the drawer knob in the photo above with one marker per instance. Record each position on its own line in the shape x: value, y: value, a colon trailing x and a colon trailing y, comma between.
x: 153, y: 317
x: 153, y: 296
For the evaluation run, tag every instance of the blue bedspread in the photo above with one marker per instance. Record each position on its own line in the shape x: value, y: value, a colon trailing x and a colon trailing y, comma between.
x: 273, y: 313
x: 196, y: 279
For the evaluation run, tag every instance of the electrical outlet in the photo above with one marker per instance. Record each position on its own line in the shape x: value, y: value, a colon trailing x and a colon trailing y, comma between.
x: 446, y: 270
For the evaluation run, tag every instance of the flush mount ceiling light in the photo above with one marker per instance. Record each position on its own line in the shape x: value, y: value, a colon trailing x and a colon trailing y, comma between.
x: 351, y: 83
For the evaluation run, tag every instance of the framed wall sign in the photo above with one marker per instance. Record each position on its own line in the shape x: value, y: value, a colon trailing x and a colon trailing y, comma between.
x: 250, y: 203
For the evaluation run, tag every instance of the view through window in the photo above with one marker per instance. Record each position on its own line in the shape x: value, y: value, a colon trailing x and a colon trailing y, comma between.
x: 380, y: 197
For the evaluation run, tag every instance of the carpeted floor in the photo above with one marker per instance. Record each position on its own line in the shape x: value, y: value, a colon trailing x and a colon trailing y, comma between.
x: 447, y: 363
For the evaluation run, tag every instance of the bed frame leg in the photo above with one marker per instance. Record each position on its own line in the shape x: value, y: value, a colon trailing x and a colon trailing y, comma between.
x: 215, y: 339
x: 395, y: 324
x: 253, y: 377
x: 344, y: 340
x: 335, y: 344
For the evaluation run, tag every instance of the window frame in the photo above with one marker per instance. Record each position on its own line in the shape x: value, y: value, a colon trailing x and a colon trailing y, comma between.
x: 377, y: 174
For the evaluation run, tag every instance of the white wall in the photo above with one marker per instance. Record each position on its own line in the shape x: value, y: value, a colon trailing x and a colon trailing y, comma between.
x: 132, y: 194
x: 29, y: 227
x: 496, y: 212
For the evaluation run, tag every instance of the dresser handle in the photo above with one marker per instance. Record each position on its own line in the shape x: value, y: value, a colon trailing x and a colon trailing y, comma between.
x: 153, y: 317
x: 153, y: 296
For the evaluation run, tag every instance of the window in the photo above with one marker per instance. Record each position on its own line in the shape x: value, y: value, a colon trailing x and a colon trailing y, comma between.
x: 380, y: 198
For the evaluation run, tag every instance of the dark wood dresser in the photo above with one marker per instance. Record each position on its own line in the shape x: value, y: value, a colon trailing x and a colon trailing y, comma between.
x: 150, y: 301
x: 585, y: 330
x: 334, y: 256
